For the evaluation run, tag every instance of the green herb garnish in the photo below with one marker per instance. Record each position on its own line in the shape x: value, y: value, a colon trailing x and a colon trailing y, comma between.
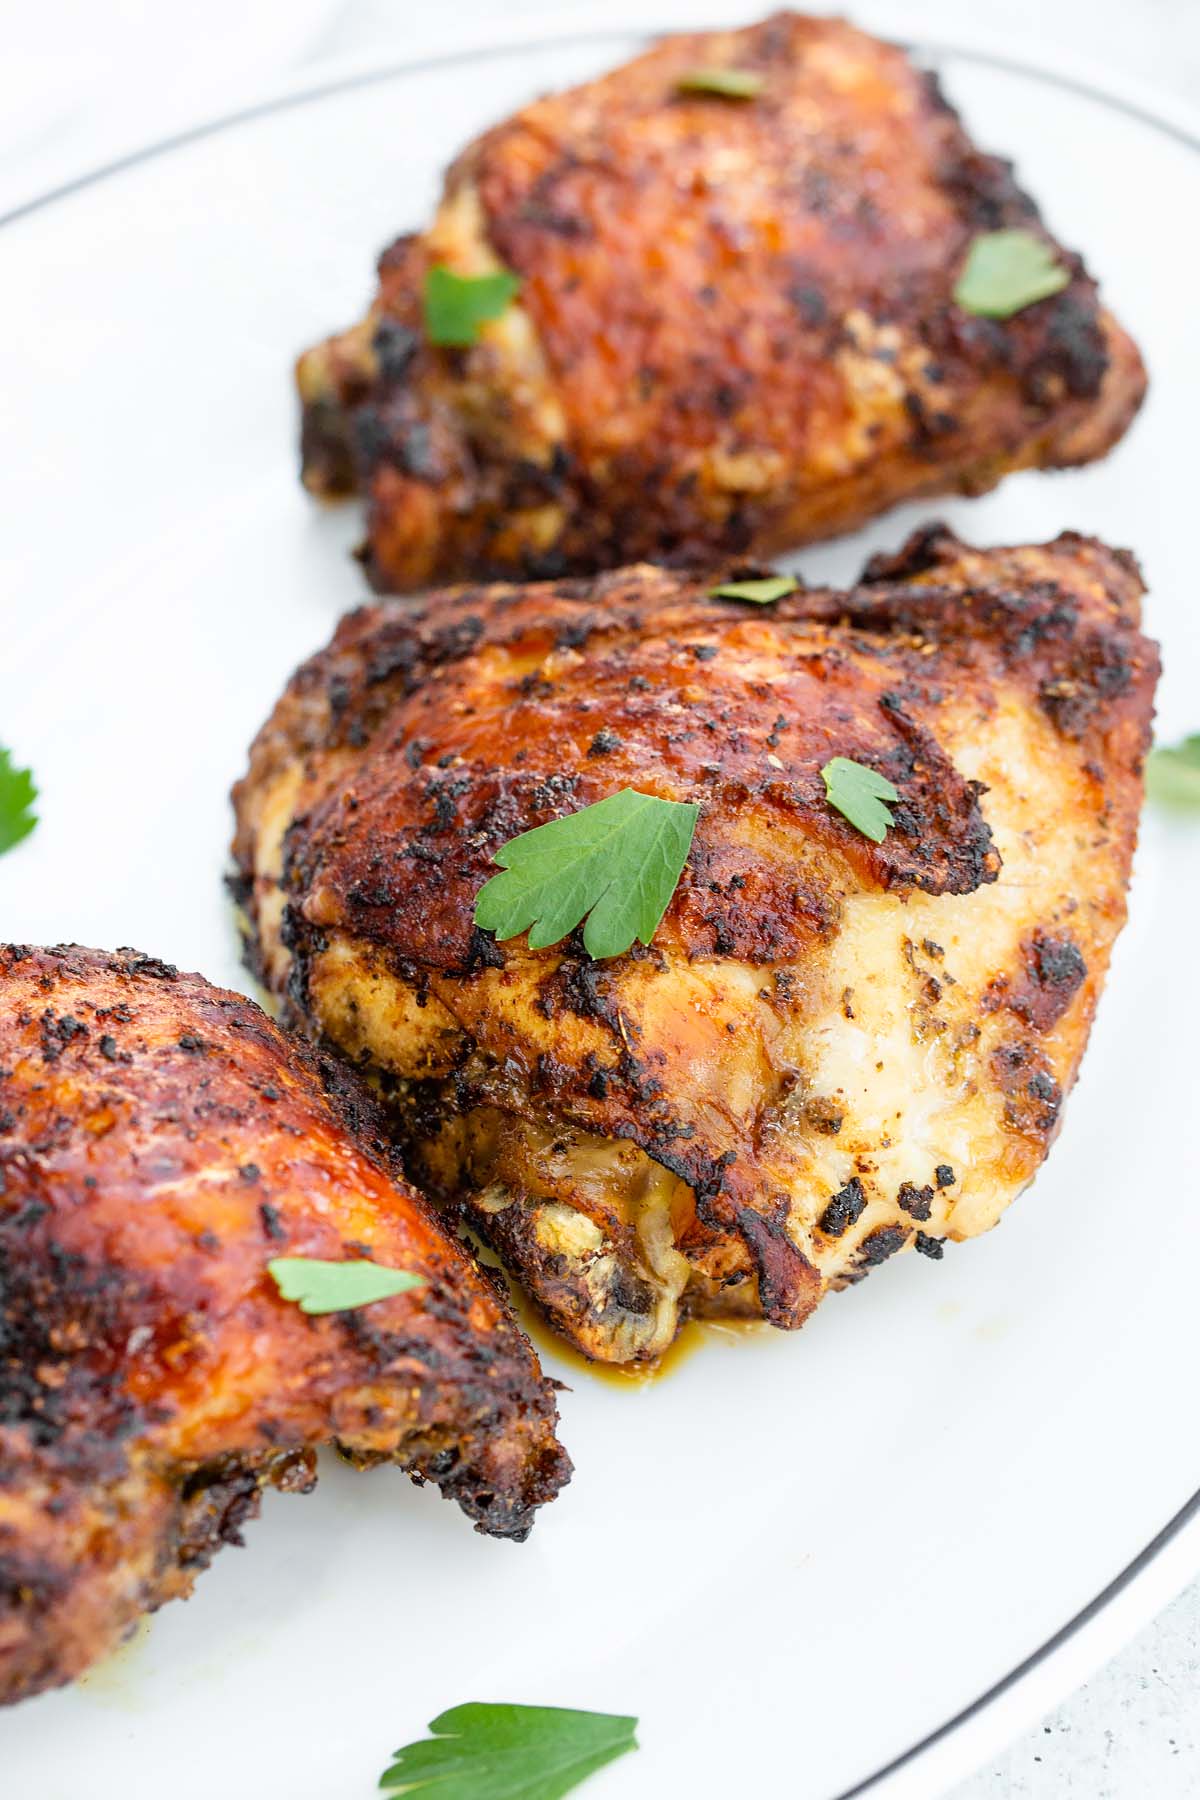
x: 327, y: 1287
x: 762, y: 591
x: 457, y: 305
x: 617, y: 863
x: 727, y: 84
x: 482, y: 1752
x: 858, y: 794
x: 18, y: 792
x: 1173, y: 772
x: 1006, y: 271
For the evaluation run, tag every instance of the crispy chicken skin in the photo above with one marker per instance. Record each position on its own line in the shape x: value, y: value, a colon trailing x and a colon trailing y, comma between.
x: 160, y: 1141
x: 832, y: 1050
x: 735, y: 331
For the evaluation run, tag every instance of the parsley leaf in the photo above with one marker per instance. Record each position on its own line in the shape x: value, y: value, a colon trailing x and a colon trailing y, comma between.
x: 1006, y: 271
x: 618, y: 862
x: 727, y: 84
x: 484, y: 1752
x: 858, y: 794
x: 456, y: 306
x: 762, y: 591
x: 17, y: 795
x: 326, y: 1287
x: 1173, y: 772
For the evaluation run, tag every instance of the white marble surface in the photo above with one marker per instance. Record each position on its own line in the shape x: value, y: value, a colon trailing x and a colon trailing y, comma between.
x: 86, y: 81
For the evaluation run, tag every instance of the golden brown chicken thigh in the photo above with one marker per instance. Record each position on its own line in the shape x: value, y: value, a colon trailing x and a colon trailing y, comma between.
x: 161, y: 1141
x: 832, y: 1049
x: 735, y: 331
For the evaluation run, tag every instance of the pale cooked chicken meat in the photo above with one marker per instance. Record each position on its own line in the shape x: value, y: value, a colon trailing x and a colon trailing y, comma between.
x: 161, y: 1141
x: 832, y: 1050
x: 736, y: 328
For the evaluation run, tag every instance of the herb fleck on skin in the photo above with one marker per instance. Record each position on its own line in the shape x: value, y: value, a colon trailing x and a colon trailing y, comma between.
x: 327, y: 1287
x: 456, y: 306
x: 725, y: 84
x: 858, y: 793
x: 1006, y: 271
x: 762, y: 591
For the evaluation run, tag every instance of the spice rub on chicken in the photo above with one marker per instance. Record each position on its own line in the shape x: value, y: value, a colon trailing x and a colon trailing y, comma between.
x: 735, y: 328
x: 832, y: 1049
x: 161, y: 1141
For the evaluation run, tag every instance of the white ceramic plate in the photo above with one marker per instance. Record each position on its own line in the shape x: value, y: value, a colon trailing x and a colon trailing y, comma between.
x: 806, y: 1562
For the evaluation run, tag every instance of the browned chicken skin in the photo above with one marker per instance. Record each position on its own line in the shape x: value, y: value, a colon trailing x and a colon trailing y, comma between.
x: 832, y: 1050
x: 735, y: 330
x: 160, y: 1141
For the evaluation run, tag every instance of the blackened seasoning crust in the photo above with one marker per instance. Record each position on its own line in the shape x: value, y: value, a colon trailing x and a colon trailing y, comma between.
x: 916, y: 1202
x: 845, y: 1207
x: 877, y: 1246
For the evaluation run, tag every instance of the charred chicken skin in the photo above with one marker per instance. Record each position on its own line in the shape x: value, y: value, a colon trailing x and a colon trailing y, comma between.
x: 160, y: 1142
x: 832, y: 1050
x: 735, y: 331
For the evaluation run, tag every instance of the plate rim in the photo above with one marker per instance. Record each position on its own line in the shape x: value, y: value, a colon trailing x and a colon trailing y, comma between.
x: 1170, y: 1561
x: 1140, y: 100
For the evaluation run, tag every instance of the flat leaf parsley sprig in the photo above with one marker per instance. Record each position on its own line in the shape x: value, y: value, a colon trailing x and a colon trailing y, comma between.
x: 615, y: 863
x: 1173, y: 772
x: 486, y: 1752
x: 18, y: 791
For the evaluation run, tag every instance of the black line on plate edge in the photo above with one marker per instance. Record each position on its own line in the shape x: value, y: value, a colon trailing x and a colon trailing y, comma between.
x: 1119, y: 1582
x: 449, y: 59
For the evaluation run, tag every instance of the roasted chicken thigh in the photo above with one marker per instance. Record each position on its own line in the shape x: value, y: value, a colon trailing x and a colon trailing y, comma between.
x: 161, y: 1141
x: 736, y: 327
x: 833, y: 1049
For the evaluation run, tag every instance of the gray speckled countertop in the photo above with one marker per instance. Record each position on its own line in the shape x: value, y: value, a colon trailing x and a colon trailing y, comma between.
x: 84, y: 80
x: 1132, y: 1733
